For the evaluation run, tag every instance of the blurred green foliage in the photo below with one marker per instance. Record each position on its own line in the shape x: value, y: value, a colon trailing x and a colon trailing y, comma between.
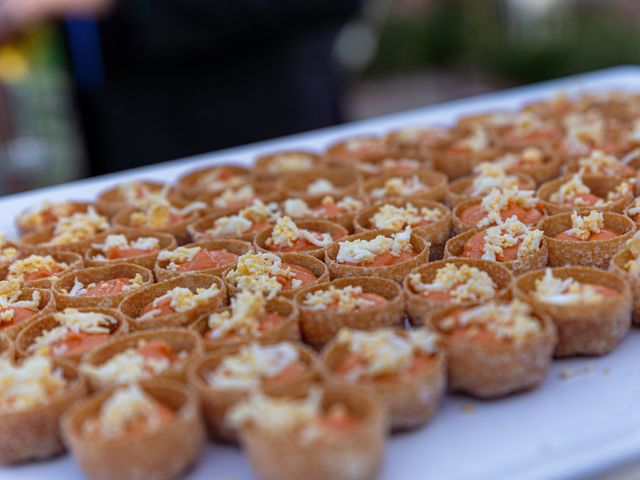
x: 485, y: 34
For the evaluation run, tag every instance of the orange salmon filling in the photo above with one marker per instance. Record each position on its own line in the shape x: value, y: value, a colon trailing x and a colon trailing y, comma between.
x: 603, y: 234
x: 19, y: 315
x: 384, y: 259
x: 531, y: 216
x: 328, y: 209
x: 157, y: 350
x: 39, y: 275
x: 302, y: 244
x: 303, y: 274
x: 77, y: 343
x: 163, y: 306
x: 116, y: 253
x: 474, y: 248
x: 107, y: 287
x: 204, y: 260
x: 337, y: 420
x: 267, y: 321
x: 354, y: 361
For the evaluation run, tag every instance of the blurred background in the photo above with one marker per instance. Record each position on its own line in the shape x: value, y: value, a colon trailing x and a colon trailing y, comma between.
x: 92, y: 89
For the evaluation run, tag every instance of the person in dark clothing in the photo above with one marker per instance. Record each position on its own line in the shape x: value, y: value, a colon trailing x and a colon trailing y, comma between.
x: 163, y: 79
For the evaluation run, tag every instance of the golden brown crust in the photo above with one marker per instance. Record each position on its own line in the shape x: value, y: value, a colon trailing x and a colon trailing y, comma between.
x: 163, y: 453
x: 110, y: 201
x: 320, y: 326
x: 345, y: 178
x: 234, y: 246
x: 456, y: 190
x: 318, y: 268
x: 356, y: 454
x: 216, y: 402
x: 314, y: 225
x: 28, y: 335
x: 165, y: 240
x: 261, y: 167
x: 46, y: 306
x: 497, y: 369
x: 288, y: 329
x: 592, y: 328
x: 34, y: 434
x: 618, y: 265
x: 590, y: 253
x: 95, y: 275
x: 134, y: 303
x: 23, y: 228
x: 599, y: 186
x: 420, y: 308
x: 73, y: 261
x: 536, y: 260
x: 437, y: 233
x: 186, y: 185
x: 178, y: 230
x: 411, y: 399
x: 179, y: 339
x: 394, y: 272
x: 435, y: 181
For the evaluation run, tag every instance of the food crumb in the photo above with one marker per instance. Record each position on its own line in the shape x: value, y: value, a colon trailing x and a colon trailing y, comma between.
x: 572, y: 372
x: 468, y: 408
x: 606, y: 371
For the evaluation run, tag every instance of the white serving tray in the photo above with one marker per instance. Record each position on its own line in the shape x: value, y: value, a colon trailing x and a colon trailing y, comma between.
x: 567, y: 428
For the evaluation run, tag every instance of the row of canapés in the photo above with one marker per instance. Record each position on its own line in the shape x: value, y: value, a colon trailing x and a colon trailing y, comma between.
x: 122, y: 341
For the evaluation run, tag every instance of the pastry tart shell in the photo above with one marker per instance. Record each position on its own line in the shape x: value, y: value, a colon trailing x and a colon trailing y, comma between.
x: 95, y: 275
x: 321, y: 226
x: 345, y: 220
x: 262, y: 171
x: 34, y: 434
x: 590, y: 253
x: 420, y: 308
x: 590, y: 328
x: 162, y: 453
x: 319, y: 326
x: 394, y: 272
x: 134, y: 303
x: 410, y: 399
x: 318, y: 268
x: 436, y: 233
x: 457, y: 188
x: 234, y: 246
x: 32, y: 331
x: 186, y: 186
x: 165, y: 242
x: 180, y: 340
x: 357, y: 454
x: 73, y: 261
x: 500, y: 368
x: 178, y: 230
x: 198, y: 229
x: 287, y: 330
x: 23, y: 228
x: 435, y: 181
x: 536, y: 260
x: 110, y: 201
x: 345, y: 178
x: 47, y: 305
x: 216, y: 402
x: 599, y: 186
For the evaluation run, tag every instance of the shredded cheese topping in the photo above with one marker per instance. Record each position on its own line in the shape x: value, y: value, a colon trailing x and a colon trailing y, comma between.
x: 182, y: 300
x: 78, y: 227
x: 78, y: 288
x: 241, y: 319
x: 345, y: 299
x: 567, y: 291
x: 178, y: 256
x: 10, y: 293
x: 583, y: 226
x: 385, y: 351
x: 476, y: 141
x: 70, y: 321
x: 402, y: 186
x: 397, y: 218
x: 128, y: 366
x: 254, y: 363
x: 234, y: 196
x: 32, y: 264
x: 569, y: 193
x: 121, y: 241
x: 289, y: 162
x: 160, y: 213
x: 35, y: 218
x: 8, y: 255
x: 365, y: 251
x: 285, y: 233
x: 463, y: 283
x: 506, y: 321
x: 242, y: 222
x: 508, y: 234
x: 599, y: 163
x: 321, y: 186
x: 124, y: 407
x: 257, y: 272
x: 498, y: 200
x: 28, y: 384
x: 490, y: 175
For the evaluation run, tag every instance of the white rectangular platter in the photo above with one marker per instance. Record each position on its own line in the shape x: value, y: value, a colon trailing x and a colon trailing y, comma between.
x: 568, y: 428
